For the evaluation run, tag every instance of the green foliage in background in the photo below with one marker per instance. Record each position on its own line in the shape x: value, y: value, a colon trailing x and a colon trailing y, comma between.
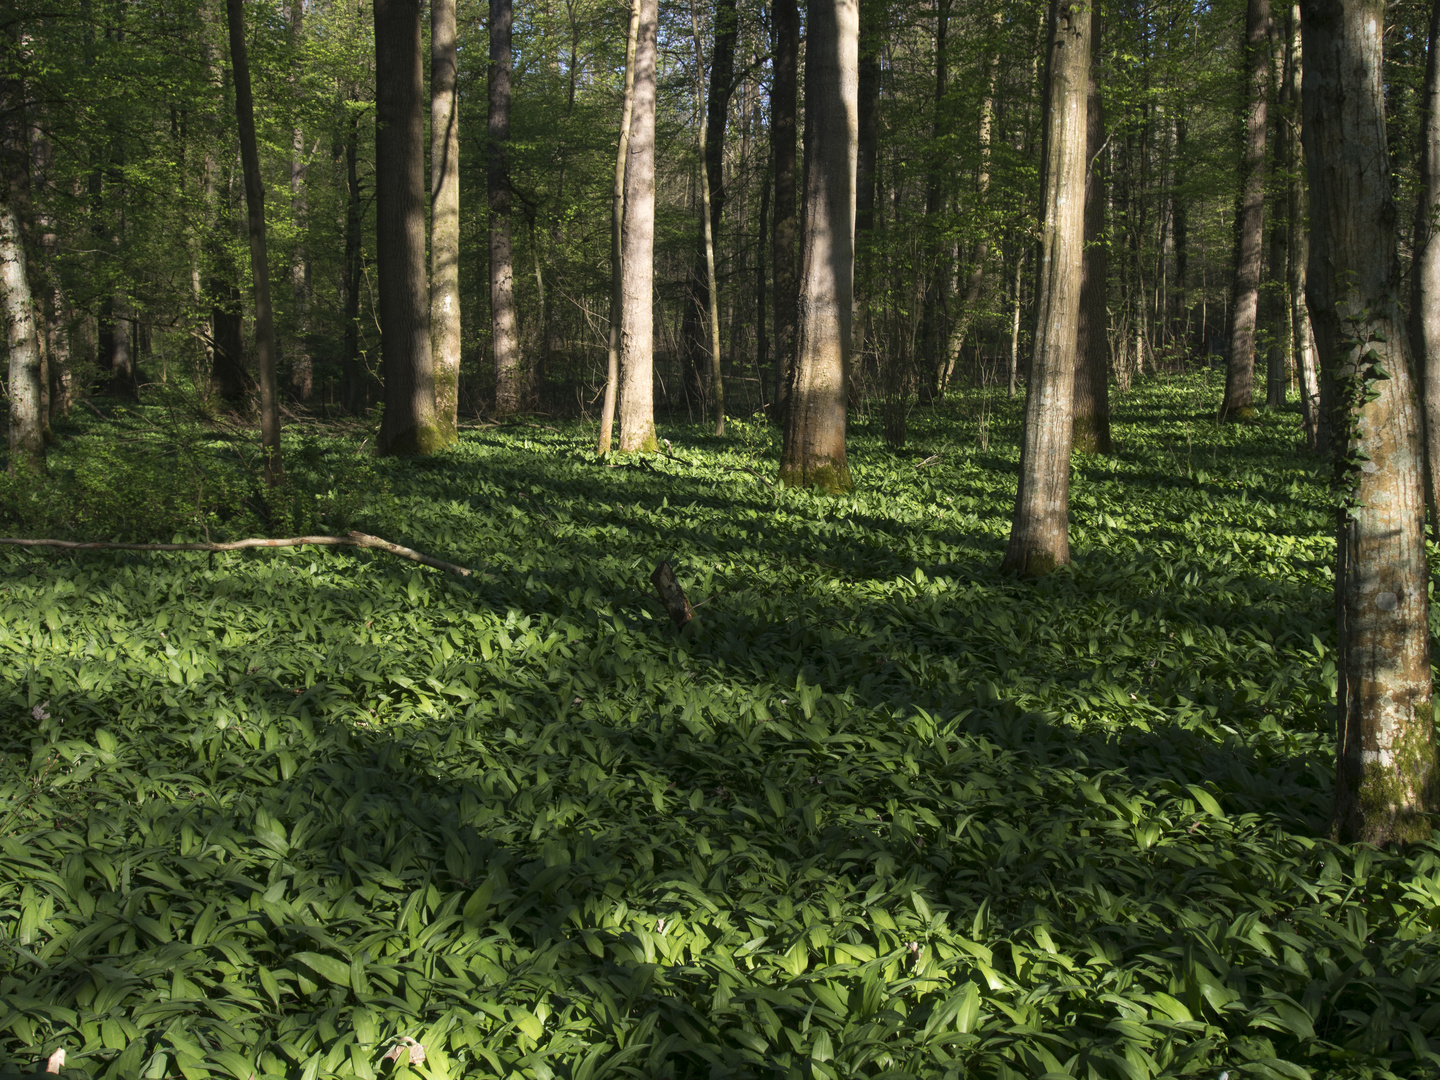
x: 891, y: 814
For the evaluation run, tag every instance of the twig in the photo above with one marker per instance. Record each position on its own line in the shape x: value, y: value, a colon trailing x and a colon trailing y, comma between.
x: 929, y: 461
x: 352, y: 539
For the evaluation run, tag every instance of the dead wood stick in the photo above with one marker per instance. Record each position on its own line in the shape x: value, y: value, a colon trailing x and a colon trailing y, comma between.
x: 352, y: 539
x: 672, y: 596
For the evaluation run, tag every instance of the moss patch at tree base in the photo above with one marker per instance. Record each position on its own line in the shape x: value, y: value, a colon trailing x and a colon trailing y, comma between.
x: 831, y: 477
x: 416, y: 442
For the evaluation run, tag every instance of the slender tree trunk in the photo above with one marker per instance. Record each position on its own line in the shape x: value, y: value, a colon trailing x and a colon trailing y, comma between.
x: 55, y: 333
x: 1092, y: 344
x: 259, y: 259
x: 1015, y: 319
x: 1249, y: 218
x: 351, y: 371
x: 504, y: 331
x: 1425, y: 284
x: 302, y: 371
x: 409, y: 425
x: 873, y: 18
x: 785, y: 20
x: 1387, y: 783
x: 1040, y: 529
x: 1302, y: 339
x: 445, y: 218
x: 762, y: 335
x: 712, y: 177
x: 617, y: 226
x: 27, y: 421
x: 814, y: 449
x: 1276, y: 302
x: 637, y: 323
x: 1180, y: 227
x: 934, y: 265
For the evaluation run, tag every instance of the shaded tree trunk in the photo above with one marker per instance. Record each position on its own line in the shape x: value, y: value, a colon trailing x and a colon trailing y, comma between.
x: 259, y: 259
x: 409, y: 425
x: 351, y: 371
x: 814, y: 448
x: 1386, y: 784
x: 712, y: 178
x: 1425, y: 274
x: 1302, y: 339
x: 785, y: 21
x: 504, y: 330
x: 1249, y: 217
x: 1091, y: 422
x: 302, y: 369
x: 445, y: 218
x: 936, y: 249
x: 637, y: 322
x: 27, y: 420
x: 1040, y: 528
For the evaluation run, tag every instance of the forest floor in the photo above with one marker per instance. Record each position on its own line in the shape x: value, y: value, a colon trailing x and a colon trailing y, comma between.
x: 890, y: 814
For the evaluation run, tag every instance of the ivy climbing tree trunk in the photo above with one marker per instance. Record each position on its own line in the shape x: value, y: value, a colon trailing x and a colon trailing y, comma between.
x: 1091, y: 423
x: 1040, y: 529
x: 259, y: 259
x: 504, y: 328
x: 637, y: 321
x: 403, y: 293
x: 814, y: 448
x: 1387, y: 784
x: 444, y: 219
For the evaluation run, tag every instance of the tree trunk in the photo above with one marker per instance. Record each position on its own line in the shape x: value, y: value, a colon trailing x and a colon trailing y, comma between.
x: 27, y: 421
x: 259, y: 260
x: 873, y: 17
x: 1276, y: 301
x: 935, y: 247
x: 409, y: 425
x: 617, y: 226
x: 1302, y: 339
x: 504, y: 331
x: 814, y: 450
x: 302, y: 370
x: 1039, y: 531
x: 785, y: 20
x: 637, y: 322
x: 1091, y: 423
x: 1249, y: 218
x: 1386, y: 784
x: 350, y: 370
x: 1425, y: 285
x: 445, y: 218
x: 712, y: 178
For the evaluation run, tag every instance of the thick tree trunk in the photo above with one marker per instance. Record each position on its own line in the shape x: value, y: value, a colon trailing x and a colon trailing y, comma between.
x: 617, y: 227
x: 1387, y: 785
x: 302, y: 369
x: 637, y: 321
x: 504, y: 330
x: 1249, y: 218
x: 409, y: 425
x: 1425, y: 284
x: 1040, y: 529
x: 259, y: 259
x: 712, y: 178
x: 1091, y: 423
x: 814, y: 450
x: 444, y: 218
x: 1302, y: 339
x: 27, y: 420
x: 785, y: 20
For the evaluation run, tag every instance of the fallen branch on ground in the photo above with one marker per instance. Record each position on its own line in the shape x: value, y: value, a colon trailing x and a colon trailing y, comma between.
x: 352, y: 539
x: 670, y: 453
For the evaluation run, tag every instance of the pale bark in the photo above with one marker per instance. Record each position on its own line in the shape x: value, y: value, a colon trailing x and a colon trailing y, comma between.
x: 504, y: 328
x: 710, y: 222
x: 637, y: 323
x: 444, y: 219
x: 1249, y: 218
x: 409, y: 425
x: 1091, y: 422
x: 1302, y: 338
x: 27, y: 420
x: 259, y: 259
x: 1387, y: 785
x: 617, y: 227
x: 785, y: 22
x: 1040, y: 529
x: 1425, y: 291
x: 814, y: 448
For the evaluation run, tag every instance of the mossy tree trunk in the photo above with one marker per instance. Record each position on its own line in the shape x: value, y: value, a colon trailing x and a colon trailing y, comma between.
x: 1040, y: 529
x: 1386, y: 783
x: 637, y: 320
x: 814, y: 449
x: 444, y: 218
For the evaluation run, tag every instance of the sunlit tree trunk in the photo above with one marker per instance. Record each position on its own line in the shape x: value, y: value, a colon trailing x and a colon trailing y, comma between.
x: 1386, y: 785
x: 27, y: 422
x: 1302, y: 338
x: 403, y: 293
x: 444, y: 218
x: 785, y: 21
x: 259, y: 259
x: 637, y: 322
x: 1091, y: 422
x: 504, y: 330
x: 1425, y: 283
x: 814, y: 449
x: 1040, y: 529
x: 1249, y: 217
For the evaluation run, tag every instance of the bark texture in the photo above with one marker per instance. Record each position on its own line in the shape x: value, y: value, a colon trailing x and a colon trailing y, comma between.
x: 1040, y: 529
x: 1302, y: 339
x: 444, y: 219
x: 1425, y: 284
x: 27, y: 421
x: 259, y: 259
x: 504, y: 329
x: 1091, y: 423
x: 1386, y: 770
x: 814, y: 449
x: 785, y: 18
x: 637, y: 321
x: 409, y: 425
x: 1249, y: 217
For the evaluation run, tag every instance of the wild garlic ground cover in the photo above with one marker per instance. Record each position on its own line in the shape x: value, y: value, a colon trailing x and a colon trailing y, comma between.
x: 889, y: 815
